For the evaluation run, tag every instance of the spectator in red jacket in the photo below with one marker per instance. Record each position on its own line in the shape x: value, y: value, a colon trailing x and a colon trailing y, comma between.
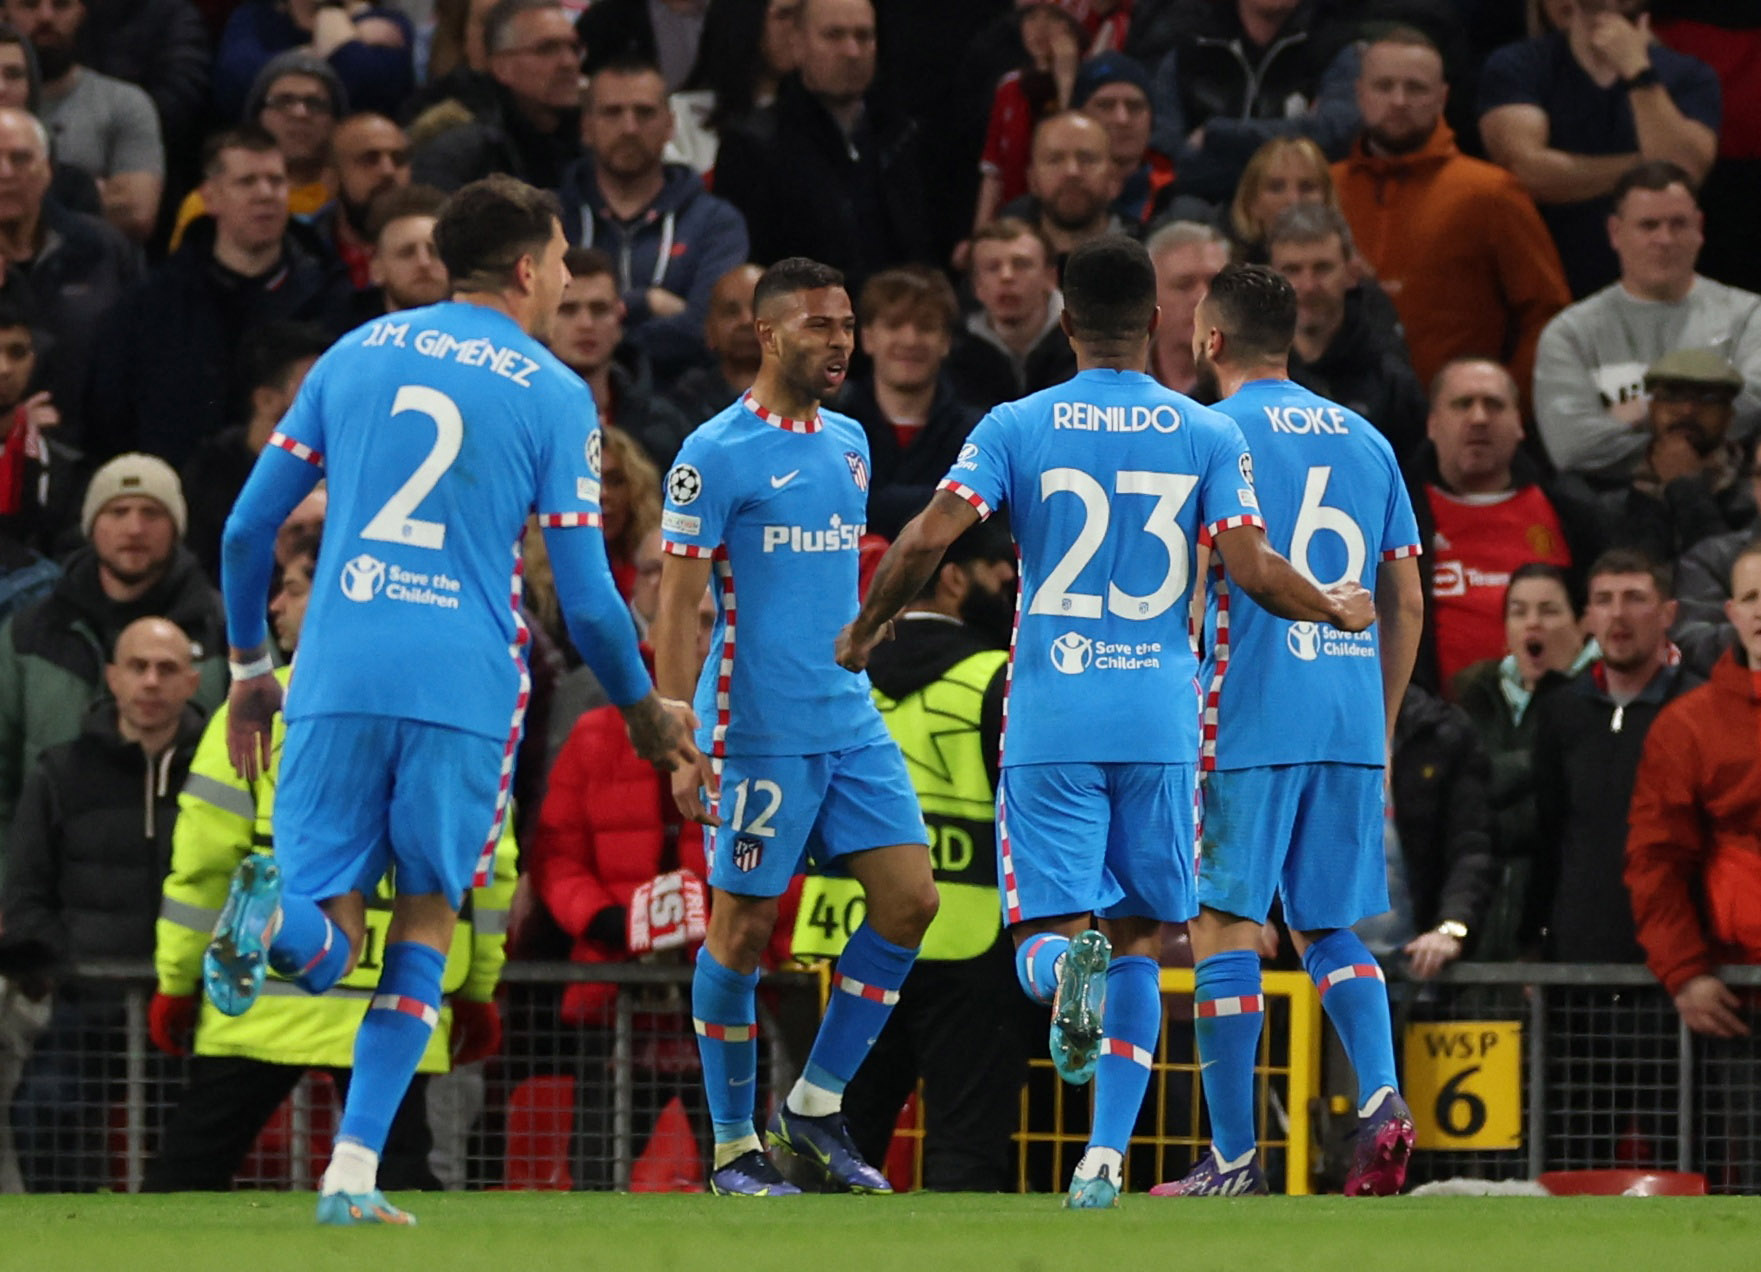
x: 1691, y: 860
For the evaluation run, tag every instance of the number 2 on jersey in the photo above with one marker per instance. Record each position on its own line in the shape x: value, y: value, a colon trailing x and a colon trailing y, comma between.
x: 1171, y: 491
x: 393, y: 523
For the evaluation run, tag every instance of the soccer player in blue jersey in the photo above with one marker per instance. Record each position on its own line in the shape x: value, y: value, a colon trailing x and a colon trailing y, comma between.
x: 439, y: 430
x: 769, y: 499
x: 1109, y: 480
x: 1294, y: 749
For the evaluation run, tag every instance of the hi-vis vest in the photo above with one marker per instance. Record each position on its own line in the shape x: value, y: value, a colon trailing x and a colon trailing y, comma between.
x: 937, y: 728
x: 221, y: 819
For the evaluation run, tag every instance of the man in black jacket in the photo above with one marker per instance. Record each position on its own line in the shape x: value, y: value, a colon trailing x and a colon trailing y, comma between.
x: 1014, y: 344
x: 826, y: 170
x: 914, y: 420
x: 167, y: 372
x: 1348, y: 348
x: 90, y: 846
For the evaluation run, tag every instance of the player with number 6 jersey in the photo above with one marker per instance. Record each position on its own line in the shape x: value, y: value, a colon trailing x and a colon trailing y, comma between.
x: 440, y: 430
x: 1294, y: 750
x: 1109, y: 480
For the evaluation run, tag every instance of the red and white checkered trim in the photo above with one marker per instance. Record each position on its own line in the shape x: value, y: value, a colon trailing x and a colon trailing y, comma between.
x: 685, y: 549
x: 967, y: 493
x: 516, y: 651
x: 299, y: 450
x: 724, y: 676
x: 1125, y: 1051
x: 873, y: 993
x: 1241, y: 1005
x: 781, y: 421
x: 1396, y: 554
x: 429, y: 1016
x: 567, y: 520
x: 1207, y: 751
x: 725, y: 1033
x: 1011, y: 894
x: 1232, y: 523
x: 1352, y: 971
x: 1030, y: 956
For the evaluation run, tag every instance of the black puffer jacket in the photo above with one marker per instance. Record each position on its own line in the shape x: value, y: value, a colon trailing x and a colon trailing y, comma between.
x: 92, y: 842
x: 1367, y: 369
x: 1441, y: 812
x: 902, y: 479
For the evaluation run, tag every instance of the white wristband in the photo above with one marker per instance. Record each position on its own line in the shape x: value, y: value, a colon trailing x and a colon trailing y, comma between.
x: 251, y: 670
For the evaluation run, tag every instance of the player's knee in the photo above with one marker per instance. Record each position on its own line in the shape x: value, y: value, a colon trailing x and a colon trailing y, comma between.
x: 752, y: 927
x: 904, y: 915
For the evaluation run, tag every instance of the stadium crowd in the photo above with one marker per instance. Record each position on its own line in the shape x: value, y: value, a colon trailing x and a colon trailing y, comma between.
x: 1519, y: 238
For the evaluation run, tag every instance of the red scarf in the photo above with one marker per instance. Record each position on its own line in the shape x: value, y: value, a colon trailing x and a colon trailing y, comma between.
x: 22, y: 443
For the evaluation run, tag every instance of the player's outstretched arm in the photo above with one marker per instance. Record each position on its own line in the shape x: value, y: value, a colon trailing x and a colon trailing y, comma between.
x: 903, y: 571
x: 673, y: 637
x: 1400, y: 611
x: 1257, y: 569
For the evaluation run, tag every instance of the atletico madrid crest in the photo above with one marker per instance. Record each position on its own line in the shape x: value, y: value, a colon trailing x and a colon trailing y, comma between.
x: 858, y: 469
x: 748, y: 852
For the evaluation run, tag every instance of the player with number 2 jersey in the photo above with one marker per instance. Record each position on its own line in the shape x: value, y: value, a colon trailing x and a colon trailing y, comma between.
x: 1294, y: 748
x: 1109, y: 480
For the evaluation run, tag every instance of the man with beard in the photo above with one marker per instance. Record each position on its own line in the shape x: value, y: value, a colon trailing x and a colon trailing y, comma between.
x: 960, y: 1027
x: 105, y: 127
x: 586, y: 335
x: 1688, y: 485
x: 370, y: 156
x: 671, y: 239
x: 52, y: 654
x: 1014, y: 344
x: 1071, y: 184
x: 732, y: 340
x: 405, y: 268
x: 773, y: 492
x: 1456, y: 242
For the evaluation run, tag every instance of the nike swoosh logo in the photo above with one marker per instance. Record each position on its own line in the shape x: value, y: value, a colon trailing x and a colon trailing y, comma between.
x: 777, y: 483
x: 739, y: 1081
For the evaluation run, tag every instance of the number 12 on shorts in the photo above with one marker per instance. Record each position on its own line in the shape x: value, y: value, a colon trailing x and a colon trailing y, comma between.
x: 758, y: 789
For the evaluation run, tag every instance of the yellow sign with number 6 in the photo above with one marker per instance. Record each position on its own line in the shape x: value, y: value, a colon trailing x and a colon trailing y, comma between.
x: 1463, y: 1080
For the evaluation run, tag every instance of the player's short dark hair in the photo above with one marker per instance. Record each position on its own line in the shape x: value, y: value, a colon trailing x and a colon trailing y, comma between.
x: 589, y: 262
x: 497, y: 21
x: 486, y: 227
x: 911, y: 290
x: 1655, y: 175
x: 1544, y: 570
x: 1110, y: 289
x: 791, y: 275
x: 1633, y: 561
x: 252, y: 137
x: 1254, y: 306
x: 396, y: 204
x: 268, y: 353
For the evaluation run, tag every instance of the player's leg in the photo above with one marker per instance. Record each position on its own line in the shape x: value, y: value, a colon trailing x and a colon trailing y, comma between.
x: 1247, y: 814
x: 767, y: 808
x: 1051, y: 852
x: 1336, y: 875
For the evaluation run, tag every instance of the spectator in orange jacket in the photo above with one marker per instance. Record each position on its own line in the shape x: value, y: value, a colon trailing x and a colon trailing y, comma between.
x: 1455, y: 241
x: 1692, y: 860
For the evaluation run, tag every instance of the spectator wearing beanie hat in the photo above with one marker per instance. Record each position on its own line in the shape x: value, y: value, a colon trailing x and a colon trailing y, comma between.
x: 298, y: 100
x: 1114, y: 91
x: 134, y: 565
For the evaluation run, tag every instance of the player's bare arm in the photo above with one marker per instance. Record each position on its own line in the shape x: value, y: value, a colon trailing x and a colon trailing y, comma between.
x: 251, y: 706
x: 674, y: 640
x: 903, y: 571
x: 1259, y: 570
x: 1400, y: 610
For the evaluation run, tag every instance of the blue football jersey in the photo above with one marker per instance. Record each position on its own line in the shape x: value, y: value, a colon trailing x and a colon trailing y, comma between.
x: 780, y: 506
x: 1298, y: 693
x: 1108, y: 479
x: 438, y: 430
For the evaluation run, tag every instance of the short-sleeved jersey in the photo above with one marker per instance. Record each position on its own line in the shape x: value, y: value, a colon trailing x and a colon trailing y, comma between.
x: 438, y: 429
x: 780, y: 506
x: 1108, y: 479
x: 1279, y: 692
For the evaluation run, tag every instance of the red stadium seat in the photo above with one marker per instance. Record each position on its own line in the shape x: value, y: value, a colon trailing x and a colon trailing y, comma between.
x: 540, y: 1120
x: 1623, y: 1183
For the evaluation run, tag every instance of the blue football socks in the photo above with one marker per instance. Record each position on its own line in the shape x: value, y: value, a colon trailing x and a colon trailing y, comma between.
x: 389, y: 1045
x: 1229, y: 1009
x: 1036, y: 965
x: 1355, y: 998
x: 1130, y: 1027
x: 309, y: 947
x: 865, y: 989
x: 724, y: 1010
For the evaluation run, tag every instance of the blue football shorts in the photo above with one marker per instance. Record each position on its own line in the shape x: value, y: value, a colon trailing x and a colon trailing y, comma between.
x: 1310, y: 834
x: 360, y: 793
x: 780, y: 812
x: 1114, y: 840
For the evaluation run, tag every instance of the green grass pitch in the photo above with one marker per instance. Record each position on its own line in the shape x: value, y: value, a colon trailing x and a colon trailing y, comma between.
x: 545, y: 1232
